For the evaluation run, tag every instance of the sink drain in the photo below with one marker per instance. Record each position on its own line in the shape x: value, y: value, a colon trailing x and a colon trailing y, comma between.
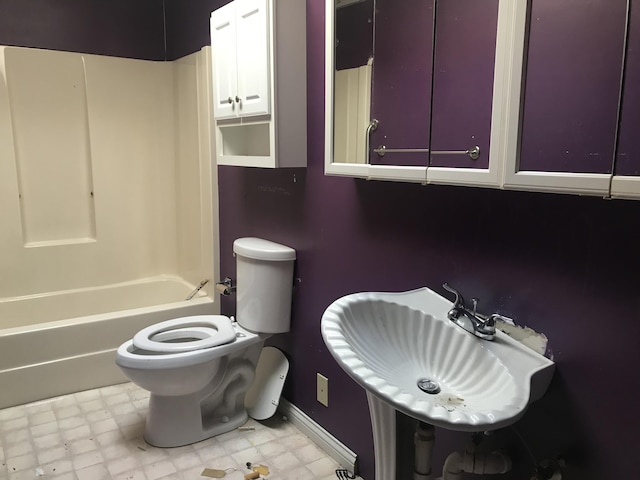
x: 428, y: 386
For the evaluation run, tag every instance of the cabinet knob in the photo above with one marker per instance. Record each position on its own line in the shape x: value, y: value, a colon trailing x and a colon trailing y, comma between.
x: 237, y: 99
x: 229, y: 100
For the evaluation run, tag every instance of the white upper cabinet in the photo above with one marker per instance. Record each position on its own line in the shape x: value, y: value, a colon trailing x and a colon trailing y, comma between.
x: 260, y: 83
x: 239, y: 35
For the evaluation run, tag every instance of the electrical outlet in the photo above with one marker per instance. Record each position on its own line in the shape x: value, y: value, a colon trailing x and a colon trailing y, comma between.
x: 323, y: 389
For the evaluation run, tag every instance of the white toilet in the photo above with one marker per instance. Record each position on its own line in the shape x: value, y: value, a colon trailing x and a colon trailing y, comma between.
x: 198, y: 369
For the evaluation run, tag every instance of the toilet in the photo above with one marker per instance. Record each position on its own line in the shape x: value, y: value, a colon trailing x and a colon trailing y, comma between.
x: 198, y: 369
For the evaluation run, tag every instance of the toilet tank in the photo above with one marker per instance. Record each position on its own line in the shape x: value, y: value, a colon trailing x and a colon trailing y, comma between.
x: 264, y: 272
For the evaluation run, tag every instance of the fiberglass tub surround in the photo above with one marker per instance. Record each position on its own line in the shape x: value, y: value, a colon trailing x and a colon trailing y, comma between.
x: 403, y: 349
x: 106, y: 187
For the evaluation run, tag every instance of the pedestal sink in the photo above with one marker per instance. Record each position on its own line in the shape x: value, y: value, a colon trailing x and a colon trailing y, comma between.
x: 408, y: 356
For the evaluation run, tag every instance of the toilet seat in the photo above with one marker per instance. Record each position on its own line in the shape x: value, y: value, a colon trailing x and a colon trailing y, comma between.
x: 186, y: 334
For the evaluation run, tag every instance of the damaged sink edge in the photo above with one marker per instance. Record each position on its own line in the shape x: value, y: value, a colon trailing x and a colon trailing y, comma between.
x: 528, y: 337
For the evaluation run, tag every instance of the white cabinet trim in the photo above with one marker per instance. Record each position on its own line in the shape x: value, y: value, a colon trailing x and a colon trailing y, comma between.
x: 625, y: 187
x: 561, y: 182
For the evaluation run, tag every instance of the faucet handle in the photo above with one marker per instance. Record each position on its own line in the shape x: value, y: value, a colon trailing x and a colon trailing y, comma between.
x: 475, y: 301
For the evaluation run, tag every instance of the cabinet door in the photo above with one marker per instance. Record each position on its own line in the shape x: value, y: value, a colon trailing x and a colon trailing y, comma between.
x: 463, y: 81
x: 402, y: 71
x: 252, y: 40
x: 573, y: 68
x: 626, y: 180
x: 223, y: 46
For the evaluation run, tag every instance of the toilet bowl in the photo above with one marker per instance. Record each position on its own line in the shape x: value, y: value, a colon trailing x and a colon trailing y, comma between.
x: 196, y: 393
x: 198, y: 369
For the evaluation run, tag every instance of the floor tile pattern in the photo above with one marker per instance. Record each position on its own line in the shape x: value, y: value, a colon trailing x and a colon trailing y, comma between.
x: 97, y: 434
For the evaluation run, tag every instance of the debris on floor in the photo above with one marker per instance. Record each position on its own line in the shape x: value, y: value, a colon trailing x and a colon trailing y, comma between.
x: 215, y: 473
x: 256, y: 472
x: 261, y: 469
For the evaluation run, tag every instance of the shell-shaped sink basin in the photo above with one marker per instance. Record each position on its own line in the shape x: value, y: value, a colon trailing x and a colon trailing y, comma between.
x: 402, y: 348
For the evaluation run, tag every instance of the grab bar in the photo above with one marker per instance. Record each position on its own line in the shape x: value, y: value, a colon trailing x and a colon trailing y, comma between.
x: 373, y: 124
x: 473, y: 153
x: 197, y: 289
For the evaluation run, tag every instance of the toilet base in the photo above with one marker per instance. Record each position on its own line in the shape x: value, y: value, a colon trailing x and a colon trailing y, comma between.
x: 174, y: 421
x: 177, y: 433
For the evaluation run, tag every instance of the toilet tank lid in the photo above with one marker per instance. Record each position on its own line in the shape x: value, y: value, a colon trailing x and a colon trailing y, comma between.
x: 260, y: 249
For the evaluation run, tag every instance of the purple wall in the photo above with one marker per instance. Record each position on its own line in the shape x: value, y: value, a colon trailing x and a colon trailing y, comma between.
x: 122, y: 28
x: 564, y: 265
x: 187, y: 24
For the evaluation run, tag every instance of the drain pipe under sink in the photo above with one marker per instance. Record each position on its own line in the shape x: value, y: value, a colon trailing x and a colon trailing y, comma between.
x: 423, y: 440
x: 458, y: 463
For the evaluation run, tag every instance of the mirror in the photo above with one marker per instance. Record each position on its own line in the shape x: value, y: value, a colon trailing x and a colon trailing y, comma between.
x: 353, y: 49
x: 400, y: 38
x: 424, y: 71
x: 402, y: 77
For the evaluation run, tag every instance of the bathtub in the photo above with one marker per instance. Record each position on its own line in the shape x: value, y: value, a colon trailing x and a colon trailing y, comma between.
x: 63, y: 342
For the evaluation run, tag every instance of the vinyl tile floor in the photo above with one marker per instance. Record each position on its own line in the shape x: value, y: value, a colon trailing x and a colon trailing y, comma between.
x: 97, y: 434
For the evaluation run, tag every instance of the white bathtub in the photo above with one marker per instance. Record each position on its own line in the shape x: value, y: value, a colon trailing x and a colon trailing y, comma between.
x: 64, y: 342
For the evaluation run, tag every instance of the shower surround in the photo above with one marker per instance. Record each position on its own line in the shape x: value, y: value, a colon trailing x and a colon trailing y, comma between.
x: 107, y: 205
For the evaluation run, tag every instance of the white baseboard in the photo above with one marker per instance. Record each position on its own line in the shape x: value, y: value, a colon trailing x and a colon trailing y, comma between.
x: 323, y: 439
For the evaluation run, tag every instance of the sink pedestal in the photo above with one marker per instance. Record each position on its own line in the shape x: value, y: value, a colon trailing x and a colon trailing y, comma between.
x: 383, y: 423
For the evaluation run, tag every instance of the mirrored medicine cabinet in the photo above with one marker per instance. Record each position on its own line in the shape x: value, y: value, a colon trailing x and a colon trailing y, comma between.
x: 494, y: 93
x: 410, y: 89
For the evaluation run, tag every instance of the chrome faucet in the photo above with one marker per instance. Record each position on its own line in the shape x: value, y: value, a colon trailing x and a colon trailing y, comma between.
x: 483, y: 326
